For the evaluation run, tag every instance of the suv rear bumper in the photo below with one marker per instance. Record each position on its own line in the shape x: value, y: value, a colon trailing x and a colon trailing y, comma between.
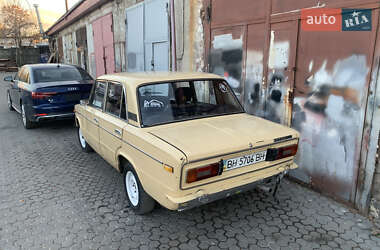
x: 55, y: 117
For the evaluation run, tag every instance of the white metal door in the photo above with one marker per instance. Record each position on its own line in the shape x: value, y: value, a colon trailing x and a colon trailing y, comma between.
x: 148, y: 36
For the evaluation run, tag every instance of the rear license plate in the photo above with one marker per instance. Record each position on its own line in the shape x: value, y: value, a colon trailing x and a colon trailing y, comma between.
x: 244, y: 160
x: 71, y: 97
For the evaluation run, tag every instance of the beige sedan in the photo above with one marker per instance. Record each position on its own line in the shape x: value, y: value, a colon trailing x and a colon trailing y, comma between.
x: 181, y: 139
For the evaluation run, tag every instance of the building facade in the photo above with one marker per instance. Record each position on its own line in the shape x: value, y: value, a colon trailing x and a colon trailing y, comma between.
x: 322, y: 83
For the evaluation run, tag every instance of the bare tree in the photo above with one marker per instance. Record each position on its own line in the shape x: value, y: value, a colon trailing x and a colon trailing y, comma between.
x: 18, y: 23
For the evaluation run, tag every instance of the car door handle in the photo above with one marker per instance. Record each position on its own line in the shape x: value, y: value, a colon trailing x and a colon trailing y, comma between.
x: 96, y: 120
x: 117, y: 131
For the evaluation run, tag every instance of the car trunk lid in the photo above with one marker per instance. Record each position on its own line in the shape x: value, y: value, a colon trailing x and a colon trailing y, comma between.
x: 211, y: 137
x: 55, y: 93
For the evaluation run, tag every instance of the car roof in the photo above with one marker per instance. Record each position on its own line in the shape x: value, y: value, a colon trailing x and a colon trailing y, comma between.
x: 137, y: 79
x: 48, y: 65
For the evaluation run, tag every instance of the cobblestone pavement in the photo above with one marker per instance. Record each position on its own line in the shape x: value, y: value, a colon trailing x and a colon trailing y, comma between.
x: 53, y: 196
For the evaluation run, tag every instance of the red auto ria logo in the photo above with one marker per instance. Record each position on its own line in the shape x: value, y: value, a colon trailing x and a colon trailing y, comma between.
x: 325, y: 19
x: 322, y: 19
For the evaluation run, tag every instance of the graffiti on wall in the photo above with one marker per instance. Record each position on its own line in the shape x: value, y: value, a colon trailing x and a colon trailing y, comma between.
x: 226, y: 59
x: 328, y: 116
x: 254, y: 93
x: 277, y: 86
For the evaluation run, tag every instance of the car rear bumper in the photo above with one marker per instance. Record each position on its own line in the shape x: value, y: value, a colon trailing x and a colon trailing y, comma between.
x: 203, y: 196
x: 55, y: 117
x: 208, y: 198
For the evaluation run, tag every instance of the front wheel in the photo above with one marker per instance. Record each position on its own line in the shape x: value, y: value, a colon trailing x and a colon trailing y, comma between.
x: 139, y: 200
x: 83, y: 143
x: 28, y: 124
x: 9, y: 101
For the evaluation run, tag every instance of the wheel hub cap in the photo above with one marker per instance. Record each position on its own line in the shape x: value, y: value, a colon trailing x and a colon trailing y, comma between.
x: 81, y: 139
x: 132, y: 188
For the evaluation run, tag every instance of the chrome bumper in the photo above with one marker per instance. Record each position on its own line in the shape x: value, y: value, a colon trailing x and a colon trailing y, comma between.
x: 271, y: 181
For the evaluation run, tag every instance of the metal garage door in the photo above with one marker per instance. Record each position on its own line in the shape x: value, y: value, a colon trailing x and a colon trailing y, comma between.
x: 103, y: 43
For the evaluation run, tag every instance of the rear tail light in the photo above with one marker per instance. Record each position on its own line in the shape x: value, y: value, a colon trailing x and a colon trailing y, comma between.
x: 42, y: 95
x: 202, y: 173
x: 43, y: 114
x: 280, y: 153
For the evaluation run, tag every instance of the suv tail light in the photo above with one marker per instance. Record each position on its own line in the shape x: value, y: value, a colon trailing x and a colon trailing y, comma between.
x: 42, y: 95
x: 280, y: 153
x: 197, y: 174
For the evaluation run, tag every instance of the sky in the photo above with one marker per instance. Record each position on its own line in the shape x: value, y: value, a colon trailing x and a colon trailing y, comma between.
x: 50, y: 10
x: 57, y: 6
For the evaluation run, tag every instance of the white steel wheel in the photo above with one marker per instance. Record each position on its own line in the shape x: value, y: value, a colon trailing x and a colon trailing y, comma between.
x: 132, y: 188
x: 139, y: 200
x: 81, y: 139
x: 82, y: 142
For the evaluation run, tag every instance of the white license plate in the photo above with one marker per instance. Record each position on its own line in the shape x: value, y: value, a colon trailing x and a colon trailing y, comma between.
x: 244, y: 160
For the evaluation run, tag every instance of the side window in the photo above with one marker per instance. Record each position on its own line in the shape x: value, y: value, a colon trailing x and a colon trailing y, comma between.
x: 113, y: 101
x: 97, y: 97
x: 23, y: 75
x: 27, y: 79
x: 19, y: 74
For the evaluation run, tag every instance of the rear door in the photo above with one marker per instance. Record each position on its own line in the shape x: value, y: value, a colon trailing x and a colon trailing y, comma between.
x: 94, y: 112
x: 112, y: 122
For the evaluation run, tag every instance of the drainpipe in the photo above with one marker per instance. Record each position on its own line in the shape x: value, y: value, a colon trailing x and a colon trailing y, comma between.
x: 173, y: 36
x: 67, y: 6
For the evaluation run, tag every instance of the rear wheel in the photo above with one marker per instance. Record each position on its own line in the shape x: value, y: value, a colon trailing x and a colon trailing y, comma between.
x: 9, y: 101
x: 28, y: 124
x: 83, y: 143
x: 139, y: 200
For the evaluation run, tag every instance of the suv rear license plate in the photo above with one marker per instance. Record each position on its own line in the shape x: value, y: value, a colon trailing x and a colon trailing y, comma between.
x: 244, y: 160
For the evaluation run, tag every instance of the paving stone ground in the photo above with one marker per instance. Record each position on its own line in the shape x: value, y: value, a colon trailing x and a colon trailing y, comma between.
x: 54, y: 196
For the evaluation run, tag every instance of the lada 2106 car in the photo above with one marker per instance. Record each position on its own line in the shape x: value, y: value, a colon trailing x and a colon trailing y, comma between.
x: 181, y: 139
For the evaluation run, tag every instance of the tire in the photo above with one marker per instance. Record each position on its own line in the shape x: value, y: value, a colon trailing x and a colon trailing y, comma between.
x: 83, y: 143
x: 28, y: 124
x: 138, y: 199
x: 9, y: 101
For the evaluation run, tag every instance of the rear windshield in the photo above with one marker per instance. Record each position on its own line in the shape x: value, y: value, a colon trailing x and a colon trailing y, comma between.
x: 162, y: 103
x: 60, y: 74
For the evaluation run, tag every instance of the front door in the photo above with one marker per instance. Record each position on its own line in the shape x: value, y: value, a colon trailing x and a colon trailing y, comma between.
x: 13, y: 90
x: 94, y: 110
x: 112, y: 122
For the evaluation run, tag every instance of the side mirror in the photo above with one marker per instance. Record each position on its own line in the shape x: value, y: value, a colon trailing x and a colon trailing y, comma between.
x: 8, y: 78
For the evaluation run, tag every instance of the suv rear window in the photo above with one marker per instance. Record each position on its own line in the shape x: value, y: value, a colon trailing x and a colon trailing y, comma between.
x: 59, y: 74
